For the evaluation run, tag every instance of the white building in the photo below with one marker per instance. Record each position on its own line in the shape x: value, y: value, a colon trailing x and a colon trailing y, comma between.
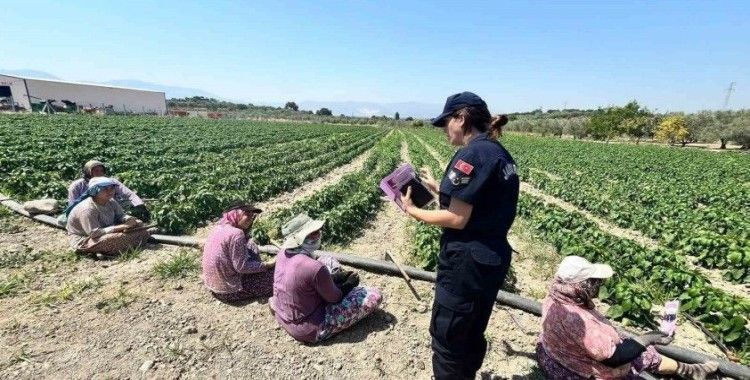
x: 27, y: 91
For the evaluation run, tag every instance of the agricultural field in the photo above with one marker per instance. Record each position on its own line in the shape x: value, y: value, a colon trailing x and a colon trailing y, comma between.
x: 693, y: 204
x: 696, y: 204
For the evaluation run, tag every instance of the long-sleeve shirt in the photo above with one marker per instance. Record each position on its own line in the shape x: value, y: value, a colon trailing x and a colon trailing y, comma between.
x: 89, y: 220
x: 80, y: 186
x: 302, y: 287
x: 227, y: 255
x: 580, y: 339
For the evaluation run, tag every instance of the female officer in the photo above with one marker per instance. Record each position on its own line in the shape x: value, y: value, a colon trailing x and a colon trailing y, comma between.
x: 478, y: 199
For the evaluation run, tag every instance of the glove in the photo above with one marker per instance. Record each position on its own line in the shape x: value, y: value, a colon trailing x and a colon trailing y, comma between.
x: 341, y: 276
x: 142, y: 213
x: 654, y: 337
x: 350, y: 283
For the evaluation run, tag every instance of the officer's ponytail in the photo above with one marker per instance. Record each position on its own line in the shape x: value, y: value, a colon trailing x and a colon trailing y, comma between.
x: 496, y: 126
x: 481, y: 119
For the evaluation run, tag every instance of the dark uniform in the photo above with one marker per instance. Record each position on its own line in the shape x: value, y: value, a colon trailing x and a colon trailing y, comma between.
x: 473, y: 262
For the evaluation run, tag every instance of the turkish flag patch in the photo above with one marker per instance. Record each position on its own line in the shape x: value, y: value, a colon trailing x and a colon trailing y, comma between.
x: 464, y: 167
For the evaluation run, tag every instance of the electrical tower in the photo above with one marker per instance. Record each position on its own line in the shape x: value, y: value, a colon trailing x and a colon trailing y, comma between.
x: 729, y: 93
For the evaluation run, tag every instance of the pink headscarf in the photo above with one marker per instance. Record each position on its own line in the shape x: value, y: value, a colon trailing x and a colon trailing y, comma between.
x: 232, y: 218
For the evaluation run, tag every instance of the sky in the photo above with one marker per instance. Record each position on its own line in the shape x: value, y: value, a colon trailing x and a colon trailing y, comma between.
x: 519, y: 56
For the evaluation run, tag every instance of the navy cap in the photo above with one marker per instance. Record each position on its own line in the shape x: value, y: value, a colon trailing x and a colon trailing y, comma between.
x: 455, y: 103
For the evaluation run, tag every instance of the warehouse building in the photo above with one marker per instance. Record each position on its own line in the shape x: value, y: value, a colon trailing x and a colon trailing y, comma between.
x: 31, y: 94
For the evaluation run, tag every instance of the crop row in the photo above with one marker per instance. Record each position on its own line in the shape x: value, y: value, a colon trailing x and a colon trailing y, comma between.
x: 192, y: 169
x: 692, y: 201
x: 346, y: 205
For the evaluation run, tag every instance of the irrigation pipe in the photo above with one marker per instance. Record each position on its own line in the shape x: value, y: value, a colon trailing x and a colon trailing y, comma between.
x: 515, y: 301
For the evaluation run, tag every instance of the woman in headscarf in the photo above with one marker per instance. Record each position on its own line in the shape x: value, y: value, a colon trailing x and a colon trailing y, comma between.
x: 97, y: 224
x: 232, y: 268
x: 578, y: 342
x: 127, y: 198
x: 314, y: 299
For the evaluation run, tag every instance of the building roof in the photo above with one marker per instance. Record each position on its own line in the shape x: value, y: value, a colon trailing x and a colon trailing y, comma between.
x: 81, y: 83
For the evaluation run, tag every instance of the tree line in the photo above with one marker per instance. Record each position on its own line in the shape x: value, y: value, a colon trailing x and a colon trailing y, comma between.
x: 637, y: 123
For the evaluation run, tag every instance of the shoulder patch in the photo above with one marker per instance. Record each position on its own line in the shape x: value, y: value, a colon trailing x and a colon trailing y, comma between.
x: 509, y: 170
x: 464, y: 167
x: 457, y: 179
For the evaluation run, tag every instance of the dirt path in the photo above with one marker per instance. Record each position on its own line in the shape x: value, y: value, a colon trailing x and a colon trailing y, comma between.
x: 174, y: 328
x: 432, y: 152
x: 309, y: 188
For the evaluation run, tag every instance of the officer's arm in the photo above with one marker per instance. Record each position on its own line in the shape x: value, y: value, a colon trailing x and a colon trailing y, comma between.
x: 455, y: 217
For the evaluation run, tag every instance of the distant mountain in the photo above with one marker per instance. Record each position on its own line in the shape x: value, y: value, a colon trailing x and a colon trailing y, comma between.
x: 29, y: 73
x: 171, y: 91
x: 366, y: 109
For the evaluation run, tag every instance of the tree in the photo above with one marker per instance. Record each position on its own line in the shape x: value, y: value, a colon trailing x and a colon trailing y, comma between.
x: 605, y: 123
x: 324, y: 112
x: 292, y: 106
x: 637, y: 127
x: 396, y: 116
x: 740, y: 130
x: 576, y: 127
x: 409, y: 118
x: 673, y: 129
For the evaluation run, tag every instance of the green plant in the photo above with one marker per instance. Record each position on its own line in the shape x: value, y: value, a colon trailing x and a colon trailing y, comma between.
x: 12, y: 285
x: 130, y: 254
x: 119, y: 300
x: 69, y: 291
x: 180, y: 265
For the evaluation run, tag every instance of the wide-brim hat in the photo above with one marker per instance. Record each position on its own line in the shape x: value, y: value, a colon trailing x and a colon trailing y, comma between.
x: 574, y: 269
x: 296, y: 230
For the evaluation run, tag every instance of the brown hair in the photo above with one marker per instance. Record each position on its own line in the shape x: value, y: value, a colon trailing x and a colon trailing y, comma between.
x: 481, y: 119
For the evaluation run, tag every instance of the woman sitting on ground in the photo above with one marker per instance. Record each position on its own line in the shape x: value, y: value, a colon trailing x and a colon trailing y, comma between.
x: 314, y: 299
x: 232, y: 268
x: 97, y: 224
x: 127, y: 198
x: 578, y: 342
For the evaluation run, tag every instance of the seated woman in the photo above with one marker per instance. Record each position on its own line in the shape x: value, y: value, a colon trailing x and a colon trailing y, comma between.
x: 232, y: 268
x: 127, y: 198
x: 310, y: 302
x: 578, y: 342
x: 97, y: 224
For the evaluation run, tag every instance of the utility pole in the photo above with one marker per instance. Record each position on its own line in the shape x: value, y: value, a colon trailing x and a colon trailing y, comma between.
x: 730, y: 89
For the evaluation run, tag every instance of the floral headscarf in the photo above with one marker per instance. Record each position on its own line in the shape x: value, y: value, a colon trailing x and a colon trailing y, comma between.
x: 575, y: 293
x: 232, y: 218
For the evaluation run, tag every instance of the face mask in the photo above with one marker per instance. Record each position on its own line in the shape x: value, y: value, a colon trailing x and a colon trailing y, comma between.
x: 311, y: 245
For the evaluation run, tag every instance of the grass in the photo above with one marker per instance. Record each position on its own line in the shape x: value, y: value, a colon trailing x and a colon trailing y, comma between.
x: 121, y: 299
x: 130, y: 254
x: 13, y: 285
x: 17, y: 259
x: 180, y: 265
x: 68, y: 292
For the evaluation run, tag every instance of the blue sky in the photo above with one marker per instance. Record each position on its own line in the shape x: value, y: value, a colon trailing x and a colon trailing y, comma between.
x: 669, y: 55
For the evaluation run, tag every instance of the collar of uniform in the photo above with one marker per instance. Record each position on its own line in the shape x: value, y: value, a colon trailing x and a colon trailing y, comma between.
x: 481, y: 136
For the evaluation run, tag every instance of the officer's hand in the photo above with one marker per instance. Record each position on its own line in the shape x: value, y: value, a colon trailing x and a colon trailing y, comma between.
x: 132, y: 222
x: 428, y: 180
x: 406, y: 199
